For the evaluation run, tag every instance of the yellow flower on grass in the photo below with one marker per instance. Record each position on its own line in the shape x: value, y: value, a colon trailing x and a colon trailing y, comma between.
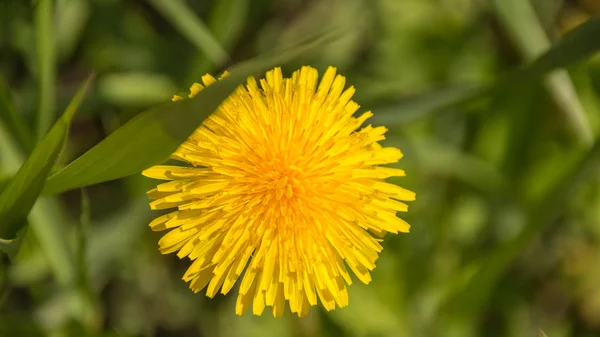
x: 284, y: 188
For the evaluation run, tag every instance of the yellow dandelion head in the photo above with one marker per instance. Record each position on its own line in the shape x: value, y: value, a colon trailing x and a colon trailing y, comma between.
x: 284, y: 187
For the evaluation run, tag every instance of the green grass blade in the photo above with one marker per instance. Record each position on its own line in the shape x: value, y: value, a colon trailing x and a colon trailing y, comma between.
x: 11, y: 156
x: 48, y: 224
x: 183, y: 19
x: 227, y: 20
x: 564, y: 95
x: 521, y: 22
x: 14, y: 120
x: 46, y: 61
x: 548, y: 11
x: 579, y: 44
x: 153, y: 135
x: 89, y: 315
x: 522, y: 25
x: 22, y: 191
x: 3, y: 182
x: 11, y: 247
x: 83, y: 234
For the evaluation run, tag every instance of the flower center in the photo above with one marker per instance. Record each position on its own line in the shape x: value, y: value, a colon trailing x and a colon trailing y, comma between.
x: 285, y: 181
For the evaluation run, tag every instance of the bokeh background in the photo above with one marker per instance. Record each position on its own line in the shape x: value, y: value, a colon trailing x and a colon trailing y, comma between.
x: 505, y: 234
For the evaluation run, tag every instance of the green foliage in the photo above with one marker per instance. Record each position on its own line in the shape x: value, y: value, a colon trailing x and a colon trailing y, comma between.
x: 14, y: 121
x: 46, y: 62
x: 494, y: 104
x: 21, y: 192
x: 151, y: 136
x: 182, y: 18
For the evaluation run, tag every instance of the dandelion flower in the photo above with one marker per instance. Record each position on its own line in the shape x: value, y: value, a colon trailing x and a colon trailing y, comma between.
x: 284, y: 187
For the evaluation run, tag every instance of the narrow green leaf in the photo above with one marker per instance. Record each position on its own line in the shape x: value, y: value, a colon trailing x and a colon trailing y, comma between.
x: 11, y: 154
x: 548, y: 11
x: 49, y: 225
x: 11, y: 247
x: 14, y: 121
x: 579, y: 44
x: 183, y: 19
x: 71, y: 20
x: 82, y: 234
x: 3, y: 182
x: 522, y: 24
x: 88, y: 303
x: 227, y: 20
x: 520, y: 20
x: 153, y: 135
x: 46, y: 61
x: 46, y: 221
x: 22, y: 191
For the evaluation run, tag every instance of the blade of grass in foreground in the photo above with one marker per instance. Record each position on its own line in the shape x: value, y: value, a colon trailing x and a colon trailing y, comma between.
x: 11, y: 157
x: 46, y: 220
x: 153, y: 135
x: 19, y: 196
x: 46, y: 60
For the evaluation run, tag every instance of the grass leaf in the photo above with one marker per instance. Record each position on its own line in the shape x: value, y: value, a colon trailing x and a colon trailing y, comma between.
x: 227, y: 20
x: 46, y: 61
x: 578, y: 44
x: 14, y: 121
x: 521, y: 22
x: 11, y: 247
x: 183, y: 19
x: 582, y: 42
x: 153, y: 135
x: 22, y: 191
x: 3, y: 182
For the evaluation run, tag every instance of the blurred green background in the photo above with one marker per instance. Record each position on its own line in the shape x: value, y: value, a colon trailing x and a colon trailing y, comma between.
x: 505, y: 234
